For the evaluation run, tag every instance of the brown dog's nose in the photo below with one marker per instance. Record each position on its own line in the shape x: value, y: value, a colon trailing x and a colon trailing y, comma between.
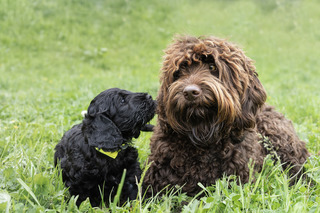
x: 191, y: 92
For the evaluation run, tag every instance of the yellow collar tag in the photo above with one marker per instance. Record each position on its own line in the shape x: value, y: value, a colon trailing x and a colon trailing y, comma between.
x: 110, y: 154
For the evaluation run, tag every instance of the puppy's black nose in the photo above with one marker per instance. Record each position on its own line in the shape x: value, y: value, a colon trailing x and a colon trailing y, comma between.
x: 191, y: 92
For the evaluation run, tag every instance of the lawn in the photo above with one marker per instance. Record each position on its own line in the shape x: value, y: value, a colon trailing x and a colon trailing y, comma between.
x: 57, y: 55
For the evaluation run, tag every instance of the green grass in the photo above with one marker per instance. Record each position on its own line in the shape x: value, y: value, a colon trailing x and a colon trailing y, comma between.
x: 55, y: 56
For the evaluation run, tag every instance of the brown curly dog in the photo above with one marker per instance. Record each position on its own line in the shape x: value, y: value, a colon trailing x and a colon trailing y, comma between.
x: 213, y: 120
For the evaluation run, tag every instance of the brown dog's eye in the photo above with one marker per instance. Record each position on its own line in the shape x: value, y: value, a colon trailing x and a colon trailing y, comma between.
x: 212, y: 67
x: 176, y: 75
x: 213, y: 70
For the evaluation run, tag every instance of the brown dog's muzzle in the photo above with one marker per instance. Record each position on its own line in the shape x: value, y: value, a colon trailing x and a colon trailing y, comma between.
x: 192, y: 92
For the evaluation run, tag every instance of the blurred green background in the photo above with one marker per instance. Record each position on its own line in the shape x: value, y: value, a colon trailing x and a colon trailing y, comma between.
x: 57, y: 55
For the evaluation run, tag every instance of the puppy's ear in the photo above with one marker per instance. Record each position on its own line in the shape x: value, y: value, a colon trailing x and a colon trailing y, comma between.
x: 97, y: 106
x: 102, y: 133
x: 100, y: 104
x: 91, y: 109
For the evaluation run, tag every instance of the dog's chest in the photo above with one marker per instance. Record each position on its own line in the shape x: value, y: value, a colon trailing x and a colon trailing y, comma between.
x: 196, y: 164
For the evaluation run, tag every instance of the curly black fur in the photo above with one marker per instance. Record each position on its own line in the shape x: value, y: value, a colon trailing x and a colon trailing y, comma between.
x: 114, y: 117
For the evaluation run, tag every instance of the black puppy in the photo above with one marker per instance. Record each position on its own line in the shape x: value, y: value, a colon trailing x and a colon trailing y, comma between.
x: 94, y: 154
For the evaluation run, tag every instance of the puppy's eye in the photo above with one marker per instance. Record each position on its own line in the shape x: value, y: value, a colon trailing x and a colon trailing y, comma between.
x: 122, y: 100
x: 176, y: 75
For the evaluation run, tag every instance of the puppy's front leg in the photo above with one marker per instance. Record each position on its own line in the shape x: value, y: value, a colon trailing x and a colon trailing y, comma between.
x: 130, y: 187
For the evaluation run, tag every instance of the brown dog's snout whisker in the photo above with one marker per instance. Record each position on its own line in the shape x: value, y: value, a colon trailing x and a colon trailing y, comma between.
x: 191, y: 92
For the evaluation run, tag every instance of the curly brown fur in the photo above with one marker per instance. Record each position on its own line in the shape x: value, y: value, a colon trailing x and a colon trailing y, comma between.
x: 211, y: 117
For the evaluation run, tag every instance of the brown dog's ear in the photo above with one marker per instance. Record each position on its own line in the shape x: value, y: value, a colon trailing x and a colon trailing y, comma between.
x: 161, y: 109
x: 253, y: 98
x: 102, y: 133
x: 241, y: 78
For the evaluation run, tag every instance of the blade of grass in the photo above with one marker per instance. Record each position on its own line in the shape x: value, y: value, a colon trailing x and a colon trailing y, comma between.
x: 27, y: 188
x: 140, y: 196
x: 5, y: 198
x: 116, y: 200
